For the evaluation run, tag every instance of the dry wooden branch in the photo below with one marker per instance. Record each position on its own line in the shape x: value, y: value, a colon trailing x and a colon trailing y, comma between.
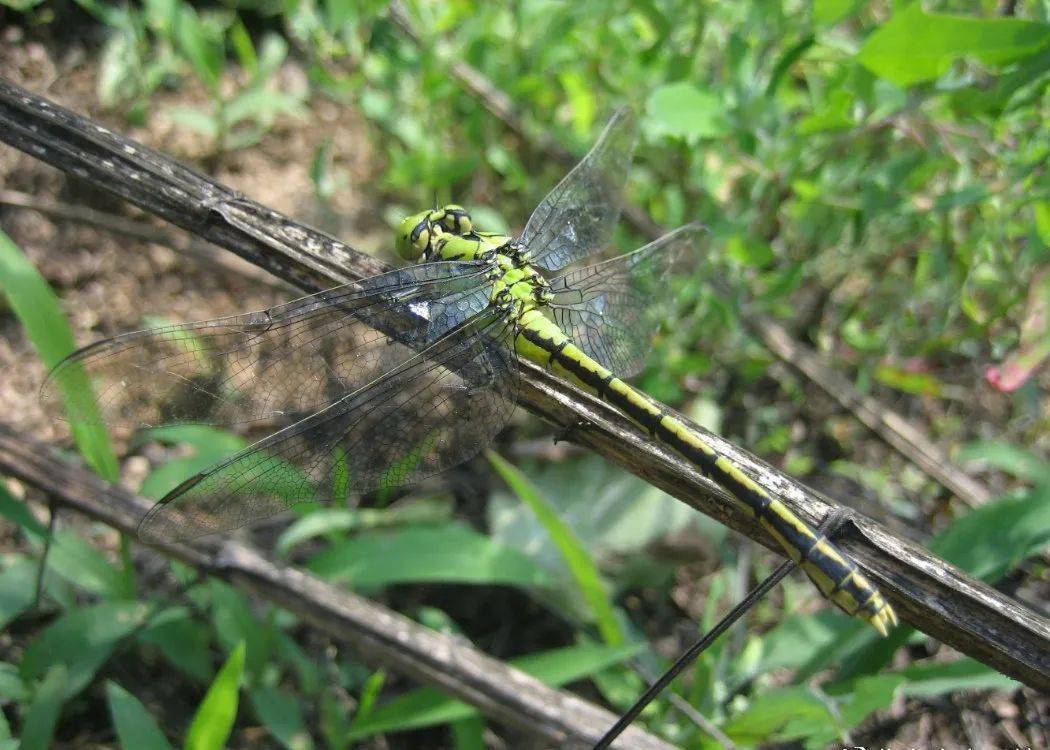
x: 894, y: 429
x: 382, y: 636
x: 931, y: 594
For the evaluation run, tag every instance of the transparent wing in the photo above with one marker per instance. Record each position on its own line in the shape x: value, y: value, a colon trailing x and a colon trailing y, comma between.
x: 436, y: 409
x: 611, y: 309
x: 276, y: 364
x: 578, y: 216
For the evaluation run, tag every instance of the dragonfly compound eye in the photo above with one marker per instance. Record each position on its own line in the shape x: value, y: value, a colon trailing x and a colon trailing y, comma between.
x: 414, y: 235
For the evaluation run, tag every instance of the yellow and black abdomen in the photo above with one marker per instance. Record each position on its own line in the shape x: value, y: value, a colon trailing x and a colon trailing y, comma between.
x: 835, y: 575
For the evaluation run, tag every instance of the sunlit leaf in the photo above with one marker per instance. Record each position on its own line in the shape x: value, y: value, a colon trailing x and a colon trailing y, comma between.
x: 683, y: 110
x: 915, y: 46
x: 213, y: 722
x: 37, y: 307
x: 583, y: 568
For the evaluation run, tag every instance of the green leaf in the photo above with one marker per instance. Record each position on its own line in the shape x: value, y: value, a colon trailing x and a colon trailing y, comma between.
x: 836, y: 113
x: 908, y: 381
x: 17, y: 589
x: 38, y: 308
x: 183, y: 640
x: 1019, y: 462
x: 915, y: 46
x: 18, y: 513
x: 38, y: 725
x: 200, y: 44
x: 770, y: 715
x: 210, y: 445
x: 925, y: 680
x: 203, y: 121
x: 82, y: 640
x: 469, y: 733
x: 992, y: 539
x: 449, y: 553
x: 236, y: 623
x: 428, y: 706
x: 213, y: 722
x: 581, y: 565
x: 827, y: 12
x: 21, y: 6
x: 280, y: 713
x: 331, y: 522
x: 682, y: 110
x: 750, y: 250
x: 136, y: 729
x: 242, y: 45
x: 12, y: 686
x: 82, y: 565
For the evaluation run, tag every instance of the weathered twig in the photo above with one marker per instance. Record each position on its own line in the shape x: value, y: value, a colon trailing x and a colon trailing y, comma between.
x: 929, y: 593
x: 381, y: 635
x: 894, y: 429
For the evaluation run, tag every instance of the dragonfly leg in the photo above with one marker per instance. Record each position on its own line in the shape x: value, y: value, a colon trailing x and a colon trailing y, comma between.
x: 568, y: 432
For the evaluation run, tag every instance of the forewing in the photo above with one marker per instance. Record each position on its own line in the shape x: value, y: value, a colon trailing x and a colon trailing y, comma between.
x: 438, y: 408
x: 611, y: 309
x: 578, y: 216
x: 277, y: 364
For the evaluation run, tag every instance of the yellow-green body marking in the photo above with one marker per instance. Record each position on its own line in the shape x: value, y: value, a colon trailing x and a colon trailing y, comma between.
x: 518, y: 288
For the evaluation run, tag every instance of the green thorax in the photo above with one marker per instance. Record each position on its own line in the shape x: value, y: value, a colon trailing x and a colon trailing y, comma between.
x: 514, y: 283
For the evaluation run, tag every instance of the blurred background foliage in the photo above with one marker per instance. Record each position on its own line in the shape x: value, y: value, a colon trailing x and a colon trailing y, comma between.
x: 874, y: 174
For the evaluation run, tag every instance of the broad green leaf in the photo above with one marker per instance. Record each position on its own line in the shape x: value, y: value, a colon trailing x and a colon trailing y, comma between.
x: 236, y: 623
x: 18, y: 513
x: 136, y: 729
x: 469, y: 733
x: 428, y: 706
x: 448, y: 553
x: 201, y: 45
x: 321, y: 522
x: 772, y: 712
x: 915, y: 46
x: 242, y: 45
x: 82, y: 640
x: 682, y: 110
x: 583, y: 568
x: 17, y: 589
x: 281, y: 714
x: 86, y: 567
x: 750, y: 250
x: 183, y: 640
x: 21, y: 6
x: 990, y: 540
x: 12, y: 686
x: 38, y: 725
x: 1019, y: 462
x: 907, y: 381
x: 827, y: 12
x: 213, y: 722
x: 924, y: 680
x: 203, y: 121
x: 38, y: 308
x: 211, y: 445
x: 836, y: 113
x: 335, y: 521
x: 581, y: 98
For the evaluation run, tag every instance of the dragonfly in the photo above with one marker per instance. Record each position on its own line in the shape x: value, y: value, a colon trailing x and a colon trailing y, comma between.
x: 387, y: 380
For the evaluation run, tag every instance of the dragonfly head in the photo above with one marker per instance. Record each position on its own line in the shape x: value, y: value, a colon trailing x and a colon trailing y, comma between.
x: 416, y: 234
